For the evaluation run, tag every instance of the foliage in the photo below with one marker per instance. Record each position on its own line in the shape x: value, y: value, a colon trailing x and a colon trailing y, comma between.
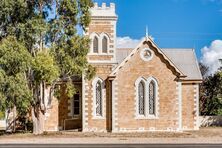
x: 14, y: 63
x: 2, y: 115
x: 39, y: 45
x: 211, y: 94
x: 44, y: 68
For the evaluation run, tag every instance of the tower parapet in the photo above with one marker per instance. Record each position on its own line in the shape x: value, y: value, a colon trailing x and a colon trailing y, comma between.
x: 103, y: 10
x: 102, y: 32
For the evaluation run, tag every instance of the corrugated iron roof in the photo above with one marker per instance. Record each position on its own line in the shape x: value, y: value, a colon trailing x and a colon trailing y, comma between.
x: 186, y: 61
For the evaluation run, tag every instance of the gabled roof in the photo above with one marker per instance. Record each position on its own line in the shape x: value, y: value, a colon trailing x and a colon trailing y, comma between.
x: 146, y: 39
x: 122, y: 53
x: 186, y: 61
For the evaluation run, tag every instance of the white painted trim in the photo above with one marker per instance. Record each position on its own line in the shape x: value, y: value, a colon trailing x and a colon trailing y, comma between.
x: 94, y: 98
x: 198, y: 113
x: 92, y: 36
x: 114, y: 106
x: 100, y: 38
x: 102, y: 35
x: 146, y: 83
x: 196, y: 107
x: 116, y: 103
x: 138, y: 116
x: 142, y: 54
x: 135, y: 50
x: 156, y: 97
x: 166, y: 57
x: 179, y: 87
x: 114, y: 39
x: 103, y: 11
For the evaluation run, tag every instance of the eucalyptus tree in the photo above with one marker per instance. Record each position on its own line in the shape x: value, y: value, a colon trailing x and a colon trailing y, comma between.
x: 40, y: 44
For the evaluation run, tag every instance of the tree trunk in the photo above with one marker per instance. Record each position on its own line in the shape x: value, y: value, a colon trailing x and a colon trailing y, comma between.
x: 38, y: 121
x: 38, y: 111
x: 14, y: 117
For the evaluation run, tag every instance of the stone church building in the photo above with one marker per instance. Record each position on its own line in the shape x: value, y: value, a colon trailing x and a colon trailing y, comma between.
x: 142, y: 89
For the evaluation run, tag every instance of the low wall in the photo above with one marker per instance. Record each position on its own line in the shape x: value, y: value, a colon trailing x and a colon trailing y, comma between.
x: 205, y: 121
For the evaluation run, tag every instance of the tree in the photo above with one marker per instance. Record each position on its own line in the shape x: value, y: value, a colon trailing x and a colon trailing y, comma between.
x: 204, y: 70
x: 49, y: 50
x: 211, y: 93
x: 14, y: 63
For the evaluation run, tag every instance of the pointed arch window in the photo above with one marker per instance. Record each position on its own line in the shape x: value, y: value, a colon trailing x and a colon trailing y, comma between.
x: 95, y: 44
x: 104, y: 45
x: 98, y: 96
x: 141, y: 95
x: 146, y: 98
x: 98, y: 99
x: 152, y: 97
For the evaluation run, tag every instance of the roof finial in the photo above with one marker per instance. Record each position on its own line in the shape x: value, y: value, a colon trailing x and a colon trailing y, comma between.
x: 147, y: 35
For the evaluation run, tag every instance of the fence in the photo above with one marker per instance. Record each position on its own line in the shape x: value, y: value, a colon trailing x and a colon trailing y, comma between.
x: 206, y: 121
x: 2, y: 124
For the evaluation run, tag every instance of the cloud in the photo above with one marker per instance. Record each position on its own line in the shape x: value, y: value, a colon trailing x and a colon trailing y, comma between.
x: 127, y: 42
x: 211, y: 56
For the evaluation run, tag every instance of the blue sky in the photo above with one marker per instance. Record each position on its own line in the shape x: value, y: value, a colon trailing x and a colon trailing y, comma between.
x: 172, y: 23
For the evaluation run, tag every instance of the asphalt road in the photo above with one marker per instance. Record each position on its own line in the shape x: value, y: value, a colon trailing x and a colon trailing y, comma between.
x: 111, y: 145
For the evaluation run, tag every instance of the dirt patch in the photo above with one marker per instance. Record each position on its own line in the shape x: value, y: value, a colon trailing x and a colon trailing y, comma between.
x: 202, y: 133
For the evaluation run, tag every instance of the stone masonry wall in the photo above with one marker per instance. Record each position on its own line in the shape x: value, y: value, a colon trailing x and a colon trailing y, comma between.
x: 92, y: 124
x: 126, y: 94
x: 189, y: 106
x: 103, y: 26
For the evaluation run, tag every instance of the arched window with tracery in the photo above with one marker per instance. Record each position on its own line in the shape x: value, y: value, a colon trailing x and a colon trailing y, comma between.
x: 98, y: 98
x: 152, y: 97
x: 104, y: 44
x: 147, y: 105
x: 95, y: 45
x: 141, y: 97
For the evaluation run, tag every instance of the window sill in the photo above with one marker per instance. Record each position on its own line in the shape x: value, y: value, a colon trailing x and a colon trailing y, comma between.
x: 98, y: 118
x: 146, y: 117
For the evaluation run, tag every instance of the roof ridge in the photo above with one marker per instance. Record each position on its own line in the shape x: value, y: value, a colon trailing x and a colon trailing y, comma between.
x: 154, y: 45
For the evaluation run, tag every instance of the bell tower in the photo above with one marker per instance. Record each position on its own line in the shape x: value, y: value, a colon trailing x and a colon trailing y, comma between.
x: 102, y: 32
x: 102, y: 56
